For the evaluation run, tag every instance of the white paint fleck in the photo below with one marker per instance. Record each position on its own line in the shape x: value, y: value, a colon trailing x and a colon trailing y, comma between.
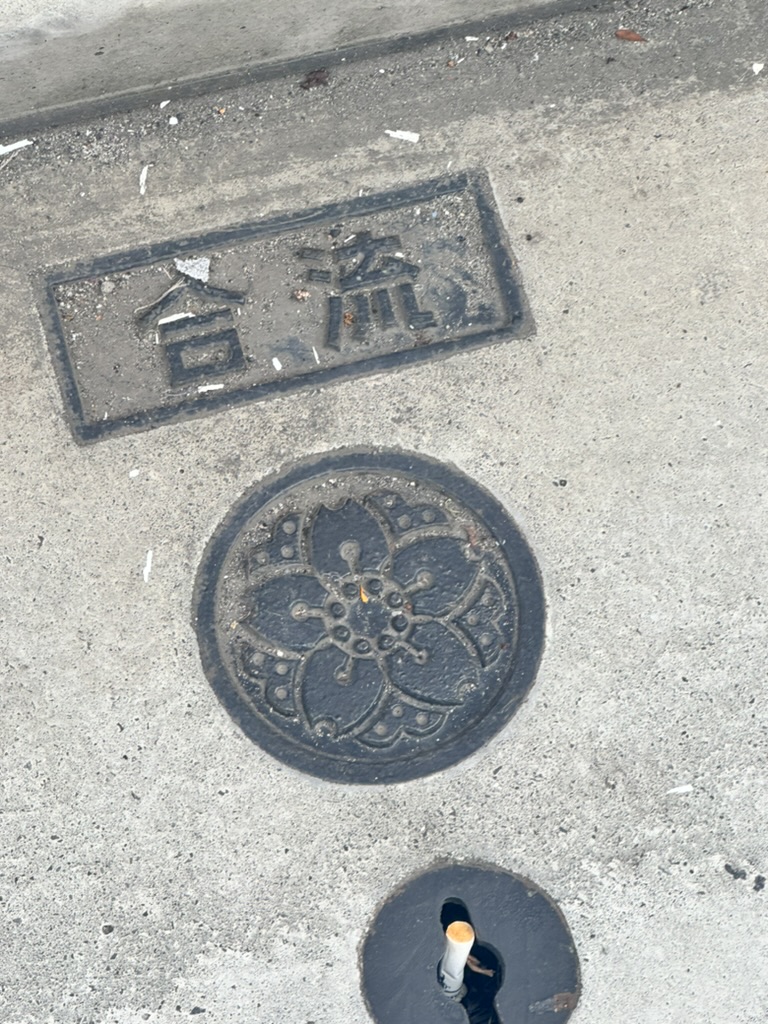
x: 148, y: 567
x: 198, y: 267
x: 173, y: 120
x: 143, y: 179
x: 276, y: 363
x: 314, y: 353
x: 164, y: 104
x: 757, y: 68
x: 134, y: 473
x: 680, y: 790
x: 209, y: 387
x: 175, y: 316
x: 403, y: 136
x: 13, y: 146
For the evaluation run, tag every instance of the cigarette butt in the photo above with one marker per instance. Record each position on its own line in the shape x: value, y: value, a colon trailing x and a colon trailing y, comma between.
x: 460, y: 932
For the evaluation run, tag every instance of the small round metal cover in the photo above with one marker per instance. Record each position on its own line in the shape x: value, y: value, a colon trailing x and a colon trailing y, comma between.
x: 529, y: 966
x: 369, y: 616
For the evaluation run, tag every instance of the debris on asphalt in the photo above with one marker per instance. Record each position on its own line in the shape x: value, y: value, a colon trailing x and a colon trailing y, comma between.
x: 148, y: 567
x: 404, y: 136
x: 8, y: 159
x: 209, y: 387
x: 174, y: 316
x: 314, y: 353
x: 164, y: 104
x: 471, y: 39
x: 555, y: 1004
x: 757, y: 68
x: 14, y: 146
x: 499, y: 43
x: 315, y: 78
x: 151, y: 305
x: 143, y: 179
x: 629, y: 36
x: 173, y: 120
x: 301, y: 294
x: 198, y: 267
x: 679, y: 790
x: 276, y: 363
x: 759, y: 883
x: 737, y: 873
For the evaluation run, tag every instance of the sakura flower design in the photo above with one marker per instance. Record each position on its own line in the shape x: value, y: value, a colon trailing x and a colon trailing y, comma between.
x: 370, y: 626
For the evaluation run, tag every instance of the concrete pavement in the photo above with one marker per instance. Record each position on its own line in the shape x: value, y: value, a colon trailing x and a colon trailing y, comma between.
x: 156, y: 863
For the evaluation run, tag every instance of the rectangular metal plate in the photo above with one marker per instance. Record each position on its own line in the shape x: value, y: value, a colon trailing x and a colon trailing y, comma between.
x: 294, y: 301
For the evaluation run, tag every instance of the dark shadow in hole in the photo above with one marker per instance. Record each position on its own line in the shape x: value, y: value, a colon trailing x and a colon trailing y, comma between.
x: 479, y: 1001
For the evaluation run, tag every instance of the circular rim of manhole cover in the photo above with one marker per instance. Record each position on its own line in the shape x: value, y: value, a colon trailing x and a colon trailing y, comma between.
x: 369, y: 616
x: 519, y: 930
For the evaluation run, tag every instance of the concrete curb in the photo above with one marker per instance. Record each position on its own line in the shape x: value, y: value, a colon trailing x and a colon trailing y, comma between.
x: 52, y: 79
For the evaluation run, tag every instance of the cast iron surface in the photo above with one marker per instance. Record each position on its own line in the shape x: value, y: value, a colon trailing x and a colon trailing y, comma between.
x: 369, y: 616
x: 513, y: 919
x: 292, y: 301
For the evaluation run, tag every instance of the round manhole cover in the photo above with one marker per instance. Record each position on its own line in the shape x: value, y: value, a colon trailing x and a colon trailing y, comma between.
x: 369, y: 617
x: 523, y: 966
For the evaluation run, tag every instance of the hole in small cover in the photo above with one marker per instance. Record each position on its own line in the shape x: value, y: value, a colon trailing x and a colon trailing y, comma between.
x: 484, y: 973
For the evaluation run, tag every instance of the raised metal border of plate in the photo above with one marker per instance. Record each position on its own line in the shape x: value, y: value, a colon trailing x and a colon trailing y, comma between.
x: 392, y: 292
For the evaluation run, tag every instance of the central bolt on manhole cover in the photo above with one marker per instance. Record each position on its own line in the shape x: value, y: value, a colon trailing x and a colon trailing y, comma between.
x: 369, y: 617
x: 522, y: 966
